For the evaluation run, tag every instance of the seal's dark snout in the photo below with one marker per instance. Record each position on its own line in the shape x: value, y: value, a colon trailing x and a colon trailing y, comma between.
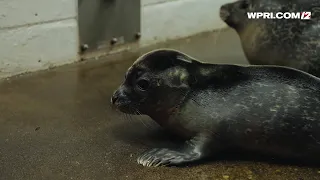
x: 114, y: 97
x: 224, y: 12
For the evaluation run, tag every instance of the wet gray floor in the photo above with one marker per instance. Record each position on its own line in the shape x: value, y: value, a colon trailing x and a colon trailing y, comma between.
x: 58, y: 124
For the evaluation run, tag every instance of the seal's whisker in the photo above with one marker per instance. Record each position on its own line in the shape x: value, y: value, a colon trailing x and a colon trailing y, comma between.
x: 147, y: 122
x: 129, y: 116
x: 141, y: 120
x: 134, y: 111
x: 126, y: 117
x: 123, y: 117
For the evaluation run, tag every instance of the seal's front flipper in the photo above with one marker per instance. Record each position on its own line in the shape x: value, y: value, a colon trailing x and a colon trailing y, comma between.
x: 195, y: 149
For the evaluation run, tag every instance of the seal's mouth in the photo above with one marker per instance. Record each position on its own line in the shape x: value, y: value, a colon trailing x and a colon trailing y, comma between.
x: 126, y: 109
x: 123, y: 107
x: 120, y: 103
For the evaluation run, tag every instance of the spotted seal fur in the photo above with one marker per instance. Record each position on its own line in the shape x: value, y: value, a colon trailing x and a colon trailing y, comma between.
x: 285, y: 42
x: 273, y: 110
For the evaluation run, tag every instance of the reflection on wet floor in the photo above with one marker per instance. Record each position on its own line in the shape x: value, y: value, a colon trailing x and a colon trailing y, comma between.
x: 58, y: 124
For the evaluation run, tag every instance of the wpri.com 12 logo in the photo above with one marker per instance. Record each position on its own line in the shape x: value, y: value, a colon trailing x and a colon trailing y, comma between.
x: 305, y: 15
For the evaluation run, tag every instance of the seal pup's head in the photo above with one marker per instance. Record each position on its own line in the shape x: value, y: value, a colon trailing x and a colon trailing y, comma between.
x: 155, y: 84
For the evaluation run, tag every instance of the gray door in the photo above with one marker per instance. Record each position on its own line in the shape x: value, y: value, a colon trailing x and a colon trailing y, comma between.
x: 107, y: 23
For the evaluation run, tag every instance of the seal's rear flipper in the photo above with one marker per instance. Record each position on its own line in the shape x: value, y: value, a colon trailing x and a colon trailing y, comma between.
x: 194, y: 150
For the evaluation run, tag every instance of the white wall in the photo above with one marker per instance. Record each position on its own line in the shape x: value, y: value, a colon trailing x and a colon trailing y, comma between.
x: 38, y: 34
x: 171, y: 19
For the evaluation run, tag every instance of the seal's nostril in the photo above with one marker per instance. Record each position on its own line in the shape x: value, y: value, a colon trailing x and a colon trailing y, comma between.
x: 114, y: 98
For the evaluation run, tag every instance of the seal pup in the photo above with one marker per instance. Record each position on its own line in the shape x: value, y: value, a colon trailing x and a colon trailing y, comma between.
x: 284, y: 42
x: 273, y: 110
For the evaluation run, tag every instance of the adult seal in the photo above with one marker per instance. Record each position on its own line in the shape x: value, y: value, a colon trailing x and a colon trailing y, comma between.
x: 293, y: 43
x: 273, y: 110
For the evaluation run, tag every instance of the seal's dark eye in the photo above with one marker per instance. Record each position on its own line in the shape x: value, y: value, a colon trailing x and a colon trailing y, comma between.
x: 143, y: 84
